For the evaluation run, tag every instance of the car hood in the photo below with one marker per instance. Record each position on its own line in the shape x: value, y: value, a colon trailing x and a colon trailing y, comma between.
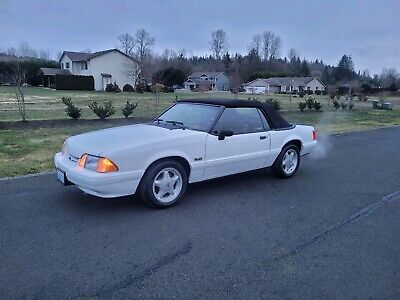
x: 118, y: 138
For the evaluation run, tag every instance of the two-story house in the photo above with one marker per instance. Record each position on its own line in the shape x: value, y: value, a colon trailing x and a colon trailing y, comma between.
x: 217, y: 81
x: 106, y: 67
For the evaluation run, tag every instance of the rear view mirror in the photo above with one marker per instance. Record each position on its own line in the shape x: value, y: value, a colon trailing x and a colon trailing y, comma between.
x: 224, y: 133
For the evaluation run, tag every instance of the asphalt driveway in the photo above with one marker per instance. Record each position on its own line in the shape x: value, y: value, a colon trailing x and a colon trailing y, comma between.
x: 332, y: 231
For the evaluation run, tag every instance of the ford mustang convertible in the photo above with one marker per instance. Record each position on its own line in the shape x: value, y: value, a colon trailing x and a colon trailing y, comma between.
x: 192, y: 141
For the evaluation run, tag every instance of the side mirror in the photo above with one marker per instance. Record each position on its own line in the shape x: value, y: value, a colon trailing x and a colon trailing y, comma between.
x: 224, y: 133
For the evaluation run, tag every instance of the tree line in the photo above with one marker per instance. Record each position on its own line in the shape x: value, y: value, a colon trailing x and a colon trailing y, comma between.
x: 264, y: 59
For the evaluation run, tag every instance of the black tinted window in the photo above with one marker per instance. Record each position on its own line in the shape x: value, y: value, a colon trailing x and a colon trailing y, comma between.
x: 240, y: 120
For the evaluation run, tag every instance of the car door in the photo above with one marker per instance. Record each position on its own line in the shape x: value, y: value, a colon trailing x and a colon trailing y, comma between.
x: 247, y: 148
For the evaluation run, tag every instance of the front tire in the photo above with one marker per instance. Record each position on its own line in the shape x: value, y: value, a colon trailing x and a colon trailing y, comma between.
x: 164, y: 184
x: 287, y: 162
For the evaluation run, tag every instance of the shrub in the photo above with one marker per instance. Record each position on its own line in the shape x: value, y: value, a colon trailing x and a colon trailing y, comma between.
x: 140, y: 87
x: 157, y: 88
x: 325, y: 92
x: 71, y: 110
x: 128, y: 108
x: 148, y: 88
x: 310, y: 103
x: 317, y: 105
x: 113, y: 87
x: 275, y: 103
x: 318, y: 92
x: 362, y: 97
x: 74, y: 82
x: 301, y: 94
x: 351, y: 104
x: 103, y: 111
x: 343, y: 90
x: 168, y: 89
x: 336, y: 104
x: 332, y: 96
x: 338, y: 96
x: 309, y: 92
x: 127, y: 88
x: 302, y: 105
x: 343, y: 104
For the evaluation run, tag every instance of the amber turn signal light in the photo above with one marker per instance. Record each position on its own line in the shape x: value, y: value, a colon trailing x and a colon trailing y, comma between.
x: 105, y: 165
x: 82, y: 161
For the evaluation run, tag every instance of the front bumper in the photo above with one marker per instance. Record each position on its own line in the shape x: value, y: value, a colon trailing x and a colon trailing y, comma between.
x: 105, y: 185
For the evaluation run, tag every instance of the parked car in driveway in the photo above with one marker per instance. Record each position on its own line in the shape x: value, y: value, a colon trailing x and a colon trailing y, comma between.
x: 192, y: 141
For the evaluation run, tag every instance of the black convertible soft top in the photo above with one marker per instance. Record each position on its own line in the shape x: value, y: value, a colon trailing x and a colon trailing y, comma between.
x: 275, y: 119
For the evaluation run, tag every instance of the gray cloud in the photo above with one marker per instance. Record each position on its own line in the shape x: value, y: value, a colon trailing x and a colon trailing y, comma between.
x: 369, y: 30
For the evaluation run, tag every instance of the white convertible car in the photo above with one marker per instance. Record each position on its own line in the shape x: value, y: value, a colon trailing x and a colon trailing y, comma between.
x: 194, y: 140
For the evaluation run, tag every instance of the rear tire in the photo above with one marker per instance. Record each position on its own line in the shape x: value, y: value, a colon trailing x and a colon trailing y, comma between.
x: 287, y: 162
x: 164, y: 184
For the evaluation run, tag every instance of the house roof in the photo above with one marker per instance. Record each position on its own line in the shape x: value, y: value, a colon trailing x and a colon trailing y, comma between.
x: 83, y: 56
x: 278, y: 81
x: 262, y: 80
x: 208, y: 74
x: 53, y: 72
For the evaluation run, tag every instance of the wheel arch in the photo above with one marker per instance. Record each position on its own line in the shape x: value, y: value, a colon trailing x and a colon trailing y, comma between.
x: 295, y: 141
x: 180, y: 159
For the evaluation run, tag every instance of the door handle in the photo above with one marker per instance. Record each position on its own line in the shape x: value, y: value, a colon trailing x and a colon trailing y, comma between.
x: 263, y: 137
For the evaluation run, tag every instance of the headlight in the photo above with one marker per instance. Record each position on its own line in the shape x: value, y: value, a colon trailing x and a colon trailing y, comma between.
x: 64, y: 148
x: 98, y: 164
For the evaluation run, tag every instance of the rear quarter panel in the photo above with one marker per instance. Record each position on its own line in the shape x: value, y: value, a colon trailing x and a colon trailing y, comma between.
x: 280, y: 138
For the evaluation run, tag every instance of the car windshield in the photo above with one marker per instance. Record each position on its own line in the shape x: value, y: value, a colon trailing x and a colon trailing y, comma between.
x: 190, y: 115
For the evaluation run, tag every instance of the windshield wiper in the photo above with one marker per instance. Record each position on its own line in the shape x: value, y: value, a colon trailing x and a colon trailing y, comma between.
x: 158, y: 120
x: 176, y: 123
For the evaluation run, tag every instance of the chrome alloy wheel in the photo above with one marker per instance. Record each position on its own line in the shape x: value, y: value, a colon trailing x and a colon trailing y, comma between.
x: 167, y: 185
x: 290, y: 161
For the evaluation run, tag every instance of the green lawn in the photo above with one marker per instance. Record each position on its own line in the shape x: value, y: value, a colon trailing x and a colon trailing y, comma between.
x: 45, y: 104
x: 30, y: 147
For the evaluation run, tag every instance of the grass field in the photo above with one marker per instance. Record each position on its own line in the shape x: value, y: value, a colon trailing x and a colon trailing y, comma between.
x: 30, y: 147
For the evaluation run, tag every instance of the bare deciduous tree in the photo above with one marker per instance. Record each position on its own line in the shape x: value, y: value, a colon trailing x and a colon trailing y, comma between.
x: 219, y: 43
x: 58, y: 55
x: 25, y: 50
x: 44, y: 54
x: 12, y: 51
x: 267, y: 38
x: 275, y: 50
x: 256, y: 44
x: 143, y: 42
x: 293, y: 54
x: 271, y: 45
x: 18, y: 76
x: 127, y: 43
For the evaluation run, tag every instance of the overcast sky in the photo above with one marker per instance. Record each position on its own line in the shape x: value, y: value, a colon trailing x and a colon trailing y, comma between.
x: 323, y: 29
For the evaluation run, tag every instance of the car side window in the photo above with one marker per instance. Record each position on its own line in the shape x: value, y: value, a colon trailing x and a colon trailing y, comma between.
x: 264, y: 120
x: 240, y: 120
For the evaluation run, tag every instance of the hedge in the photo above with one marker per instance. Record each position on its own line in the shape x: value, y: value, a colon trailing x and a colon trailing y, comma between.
x: 74, y: 82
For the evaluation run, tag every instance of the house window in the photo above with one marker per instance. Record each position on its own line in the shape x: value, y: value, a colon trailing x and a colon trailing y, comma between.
x: 62, y: 65
x: 84, y: 65
x: 67, y: 65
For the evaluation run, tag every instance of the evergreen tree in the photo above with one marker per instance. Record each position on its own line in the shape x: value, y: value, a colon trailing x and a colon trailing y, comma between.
x: 345, y: 68
x: 304, y: 69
